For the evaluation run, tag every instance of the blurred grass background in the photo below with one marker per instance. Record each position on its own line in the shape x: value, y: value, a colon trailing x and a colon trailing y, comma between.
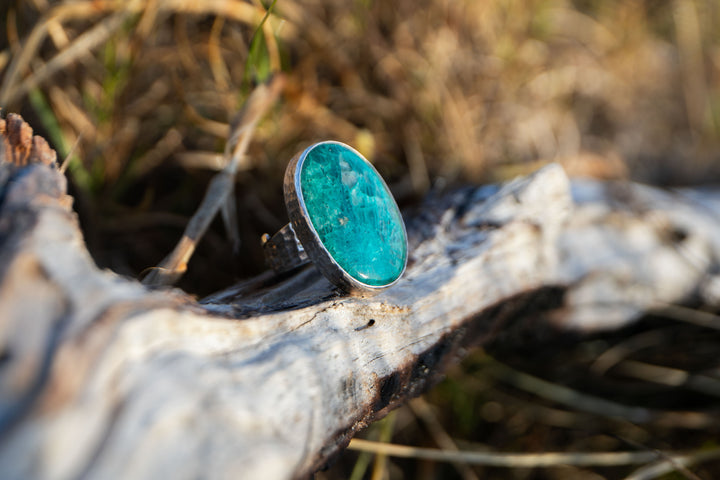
x: 138, y: 96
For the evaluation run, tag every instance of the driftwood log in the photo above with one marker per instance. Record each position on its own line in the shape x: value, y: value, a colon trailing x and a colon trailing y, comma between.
x: 102, y: 377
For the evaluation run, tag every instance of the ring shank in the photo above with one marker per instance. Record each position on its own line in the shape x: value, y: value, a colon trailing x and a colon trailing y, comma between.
x: 283, y: 250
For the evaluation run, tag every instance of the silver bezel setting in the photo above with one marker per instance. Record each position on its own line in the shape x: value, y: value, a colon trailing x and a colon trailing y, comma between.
x: 308, y: 237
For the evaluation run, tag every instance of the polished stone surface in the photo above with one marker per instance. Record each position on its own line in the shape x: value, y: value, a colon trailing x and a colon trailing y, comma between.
x: 354, y: 214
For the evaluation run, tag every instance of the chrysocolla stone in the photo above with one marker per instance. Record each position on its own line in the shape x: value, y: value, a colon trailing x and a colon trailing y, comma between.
x: 354, y: 214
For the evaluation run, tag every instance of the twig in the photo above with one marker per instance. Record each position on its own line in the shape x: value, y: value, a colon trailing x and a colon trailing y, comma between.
x: 672, y: 377
x: 568, y: 396
x: 511, y: 460
x: 70, y: 153
x: 219, y: 69
x: 599, y: 406
x: 174, y: 265
x: 423, y: 411
x: 664, y: 457
x: 618, y: 352
x: 662, y: 467
x: 688, y: 315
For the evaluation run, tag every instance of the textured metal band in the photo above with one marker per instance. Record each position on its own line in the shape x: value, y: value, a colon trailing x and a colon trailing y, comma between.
x: 283, y: 250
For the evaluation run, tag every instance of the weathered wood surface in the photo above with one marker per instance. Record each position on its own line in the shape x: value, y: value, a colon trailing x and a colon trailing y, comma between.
x: 104, y: 378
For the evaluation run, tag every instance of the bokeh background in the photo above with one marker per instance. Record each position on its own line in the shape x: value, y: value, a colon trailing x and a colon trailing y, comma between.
x: 137, y: 96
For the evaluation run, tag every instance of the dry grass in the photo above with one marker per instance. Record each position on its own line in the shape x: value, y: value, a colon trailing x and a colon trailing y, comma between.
x: 141, y: 93
x: 435, y: 89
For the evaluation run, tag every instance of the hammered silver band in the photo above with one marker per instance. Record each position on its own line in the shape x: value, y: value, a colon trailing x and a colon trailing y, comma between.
x: 283, y: 251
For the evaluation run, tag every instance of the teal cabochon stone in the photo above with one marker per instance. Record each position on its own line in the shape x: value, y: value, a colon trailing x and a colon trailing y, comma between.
x: 354, y: 214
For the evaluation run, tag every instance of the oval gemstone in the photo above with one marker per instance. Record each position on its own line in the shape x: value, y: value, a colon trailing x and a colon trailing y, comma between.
x: 353, y: 213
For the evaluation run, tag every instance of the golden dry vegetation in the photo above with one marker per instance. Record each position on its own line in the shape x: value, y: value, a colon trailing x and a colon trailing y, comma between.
x: 138, y: 95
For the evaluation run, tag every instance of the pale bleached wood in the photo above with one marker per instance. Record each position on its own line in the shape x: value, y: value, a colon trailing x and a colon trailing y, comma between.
x: 103, y: 378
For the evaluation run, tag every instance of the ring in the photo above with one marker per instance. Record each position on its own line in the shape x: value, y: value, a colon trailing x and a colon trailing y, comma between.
x: 343, y: 219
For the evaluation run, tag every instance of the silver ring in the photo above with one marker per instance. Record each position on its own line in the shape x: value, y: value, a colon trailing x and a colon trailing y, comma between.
x: 343, y: 219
